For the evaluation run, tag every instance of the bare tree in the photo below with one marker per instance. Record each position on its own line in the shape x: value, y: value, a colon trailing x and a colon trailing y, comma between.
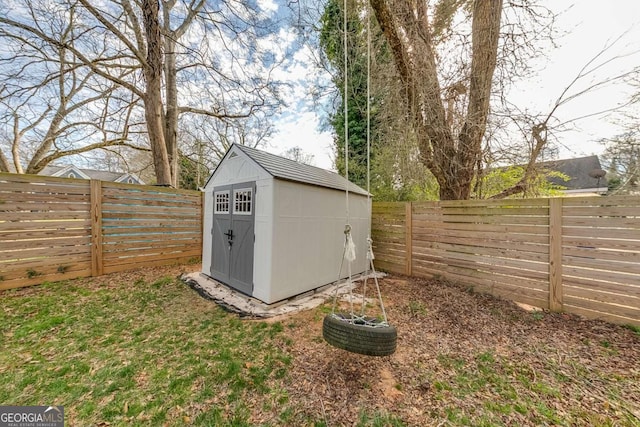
x: 52, y: 106
x: 540, y: 129
x: 298, y: 154
x: 206, y: 56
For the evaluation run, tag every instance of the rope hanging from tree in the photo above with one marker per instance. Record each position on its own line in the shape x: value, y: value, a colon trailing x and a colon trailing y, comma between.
x: 352, y: 331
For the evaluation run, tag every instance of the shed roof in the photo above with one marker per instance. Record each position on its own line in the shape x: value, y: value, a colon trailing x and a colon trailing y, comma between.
x: 290, y: 170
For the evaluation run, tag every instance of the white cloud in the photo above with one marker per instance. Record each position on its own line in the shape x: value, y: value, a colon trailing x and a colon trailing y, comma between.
x: 267, y: 5
x: 301, y: 130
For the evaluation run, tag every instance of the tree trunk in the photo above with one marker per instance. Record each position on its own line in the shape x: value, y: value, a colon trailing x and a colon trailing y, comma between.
x: 171, y: 116
x: 153, y: 93
x: 4, y: 162
x: 485, y: 34
x: 406, y: 27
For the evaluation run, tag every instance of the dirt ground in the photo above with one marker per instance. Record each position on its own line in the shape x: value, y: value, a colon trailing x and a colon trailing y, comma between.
x: 469, y: 359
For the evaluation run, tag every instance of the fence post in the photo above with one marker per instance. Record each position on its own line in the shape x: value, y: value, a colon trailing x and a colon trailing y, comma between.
x: 408, y: 237
x: 97, y: 263
x: 555, y: 254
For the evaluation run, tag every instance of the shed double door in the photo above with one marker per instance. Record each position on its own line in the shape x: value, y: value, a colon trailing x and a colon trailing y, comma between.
x: 233, y: 235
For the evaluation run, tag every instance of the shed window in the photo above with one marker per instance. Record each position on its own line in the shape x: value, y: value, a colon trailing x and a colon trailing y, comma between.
x: 242, y: 201
x: 222, y: 202
x: 72, y: 175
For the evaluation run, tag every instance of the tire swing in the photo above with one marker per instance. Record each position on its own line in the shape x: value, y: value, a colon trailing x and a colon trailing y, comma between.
x: 357, y: 332
x: 352, y: 331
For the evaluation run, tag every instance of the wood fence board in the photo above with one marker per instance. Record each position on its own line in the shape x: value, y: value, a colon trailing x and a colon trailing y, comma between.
x: 19, y: 283
x: 121, y: 188
x: 497, y: 251
x: 602, y: 296
x: 631, y: 268
x: 41, y: 206
x: 603, y: 275
x: 631, y: 223
x: 190, y: 234
x: 147, y: 216
x: 601, y: 285
x: 173, y: 260
x: 396, y: 239
x: 23, y: 217
x: 539, y: 286
x: 481, y: 260
x: 142, y: 257
x: 479, y: 219
x: 601, y: 254
x: 145, y: 210
x: 599, y: 315
x: 600, y: 201
x: 44, y: 262
x: 482, y: 203
x: 483, y: 211
x: 539, y: 246
x: 600, y: 211
x: 522, y: 295
x: 426, y: 235
x: 115, y: 255
x: 601, y: 243
x: 475, y: 269
x: 149, y: 244
x: 19, y: 245
x: 390, y: 267
x: 17, y: 235
x: 111, y: 223
x: 615, y: 309
x: 598, y: 233
x: 482, y: 228
x: 50, y: 189
x: 45, y: 270
x: 44, y: 225
x: 42, y: 252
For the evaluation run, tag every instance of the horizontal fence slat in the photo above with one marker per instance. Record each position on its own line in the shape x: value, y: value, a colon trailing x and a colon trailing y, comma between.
x: 44, y: 262
x: 419, y: 224
x: 52, y: 242
x: 21, y: 235
x: 599, y: 306
x: 19, y: 283
x: 532, y: 243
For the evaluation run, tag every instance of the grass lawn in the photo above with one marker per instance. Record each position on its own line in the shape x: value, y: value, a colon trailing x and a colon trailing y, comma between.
x: 134, y: 349
x: 142, y: 348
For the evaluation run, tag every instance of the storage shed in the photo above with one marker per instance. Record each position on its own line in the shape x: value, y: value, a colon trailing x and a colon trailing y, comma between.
x: 274, y: 228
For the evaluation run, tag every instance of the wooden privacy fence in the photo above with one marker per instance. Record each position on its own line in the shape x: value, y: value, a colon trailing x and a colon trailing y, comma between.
x: 579, y: 255
x: 60, y: 228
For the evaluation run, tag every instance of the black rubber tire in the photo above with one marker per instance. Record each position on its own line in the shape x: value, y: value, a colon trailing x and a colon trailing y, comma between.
x: 361, y: 339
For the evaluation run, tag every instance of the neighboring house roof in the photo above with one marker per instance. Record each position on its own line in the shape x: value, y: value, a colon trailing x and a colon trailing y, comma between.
x: 65, y: 171
x: 580, y: 172
x: 290, y: 170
